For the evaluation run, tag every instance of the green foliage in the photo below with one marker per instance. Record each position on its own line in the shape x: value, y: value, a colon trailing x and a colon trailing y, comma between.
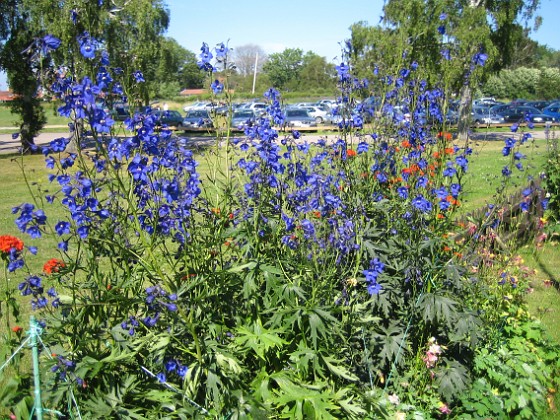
x: 552, y: 187
x: 293, y: 70
x: 523, y: 82
x: 283, y: 69
x: 514, y: 377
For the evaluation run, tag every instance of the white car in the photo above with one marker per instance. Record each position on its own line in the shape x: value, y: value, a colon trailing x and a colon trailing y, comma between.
x: 196, y: 106
x: 319, y: 114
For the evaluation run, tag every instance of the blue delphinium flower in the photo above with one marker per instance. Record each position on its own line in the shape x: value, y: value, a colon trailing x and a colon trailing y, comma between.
x: 87, y: 45
x: 221, y: 51
x: 138, y: 76
x: 420, y: 203
x: 217, y: 87
x: 205, y: 58
x: 372, y: 274
x: 49, y: 43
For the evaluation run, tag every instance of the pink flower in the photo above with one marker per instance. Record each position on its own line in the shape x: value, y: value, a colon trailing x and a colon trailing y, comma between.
x: 444, y: 409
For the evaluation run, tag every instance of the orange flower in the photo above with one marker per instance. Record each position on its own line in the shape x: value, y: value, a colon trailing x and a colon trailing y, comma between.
x: 406, y: 144
x: 446, y: 135
x: 440, y: 216
x: 7, y: 243
x: 316, y: 213
x: 17, y: 329
x: 351, y: 153
x: 449, y: 151
x: 53, y: 266
x: 216, y: 211
x: 435, y: 155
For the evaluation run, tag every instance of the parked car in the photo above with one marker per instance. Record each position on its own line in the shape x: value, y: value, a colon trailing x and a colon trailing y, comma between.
x: 258, y: 108
x: 197, y: 106
x: 198, y: 118
x: 486, y: 100
x: 241, y: 117
x: 483, y: 115
x: 331, y: 103
x: 120, y: 112
x: 524, y: 113
x: 299, y: 117
x: 168, y: 118
x: 540, y: 105
x: 319, y: 114
x: 553, y: 110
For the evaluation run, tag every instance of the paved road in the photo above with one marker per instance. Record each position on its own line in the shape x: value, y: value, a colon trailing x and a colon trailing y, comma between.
x: 9, y: 145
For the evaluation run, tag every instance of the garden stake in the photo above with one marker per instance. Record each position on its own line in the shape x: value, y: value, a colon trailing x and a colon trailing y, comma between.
x: 34, y: 332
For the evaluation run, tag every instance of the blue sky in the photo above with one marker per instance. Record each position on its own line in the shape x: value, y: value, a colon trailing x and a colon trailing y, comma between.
x: 312, y: 25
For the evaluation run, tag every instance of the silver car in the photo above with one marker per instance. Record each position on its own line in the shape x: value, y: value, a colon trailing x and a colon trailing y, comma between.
x: 299, y: 117
x: 485, y: 116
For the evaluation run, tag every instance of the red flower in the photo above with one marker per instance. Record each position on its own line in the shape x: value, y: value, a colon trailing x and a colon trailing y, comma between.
x: 17, y: 329
x: 351, y: 153
x: 53, y: 266
x: 7, y: 243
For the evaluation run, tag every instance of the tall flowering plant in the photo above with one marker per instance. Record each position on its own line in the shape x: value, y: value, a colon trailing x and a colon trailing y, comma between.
x: 295, y: 281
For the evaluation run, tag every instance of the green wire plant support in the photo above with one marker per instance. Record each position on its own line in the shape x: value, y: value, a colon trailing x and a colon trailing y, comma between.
x: 35, y: 331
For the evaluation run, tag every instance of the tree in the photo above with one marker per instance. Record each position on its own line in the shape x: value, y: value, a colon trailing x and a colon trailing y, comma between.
x: 130, y: 31
x: 176, y: 69
x: 245, y: 56
x: 470, y: 32
x: 21, y: 71
x: 283, y: 69
x: 316, y: 73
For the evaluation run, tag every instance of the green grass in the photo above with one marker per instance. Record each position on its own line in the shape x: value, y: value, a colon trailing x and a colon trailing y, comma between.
x: 484, y: 175
x: 7, y: 119
x: 544, y: 301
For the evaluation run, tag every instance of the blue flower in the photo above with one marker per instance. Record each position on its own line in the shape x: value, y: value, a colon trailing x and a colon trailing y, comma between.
x: 374, y: 288
x: 462, y: 162
x: 217, y: 87
x: 221, y: 52
x: 205, y: 58
x: 363, y: 147
x: 182, y: 371
x: 402, y: 192
x: 480, y: 59
x: 87, y: 45
x: 422, y: 204
x: 49, y: 43
x: 138, y: 76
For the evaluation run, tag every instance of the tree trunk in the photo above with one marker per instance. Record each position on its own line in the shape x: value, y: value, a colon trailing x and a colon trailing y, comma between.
x: 465, y: 105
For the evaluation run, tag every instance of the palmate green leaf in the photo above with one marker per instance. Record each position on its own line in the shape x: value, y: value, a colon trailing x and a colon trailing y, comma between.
x: 299, y: 402
x: 259, y: 339
x: 304, y: 359
x: 389, y: 342
x: 228, y: 363
x: 452, y: 380
x: 434, y: 308
x: 338, y: 369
